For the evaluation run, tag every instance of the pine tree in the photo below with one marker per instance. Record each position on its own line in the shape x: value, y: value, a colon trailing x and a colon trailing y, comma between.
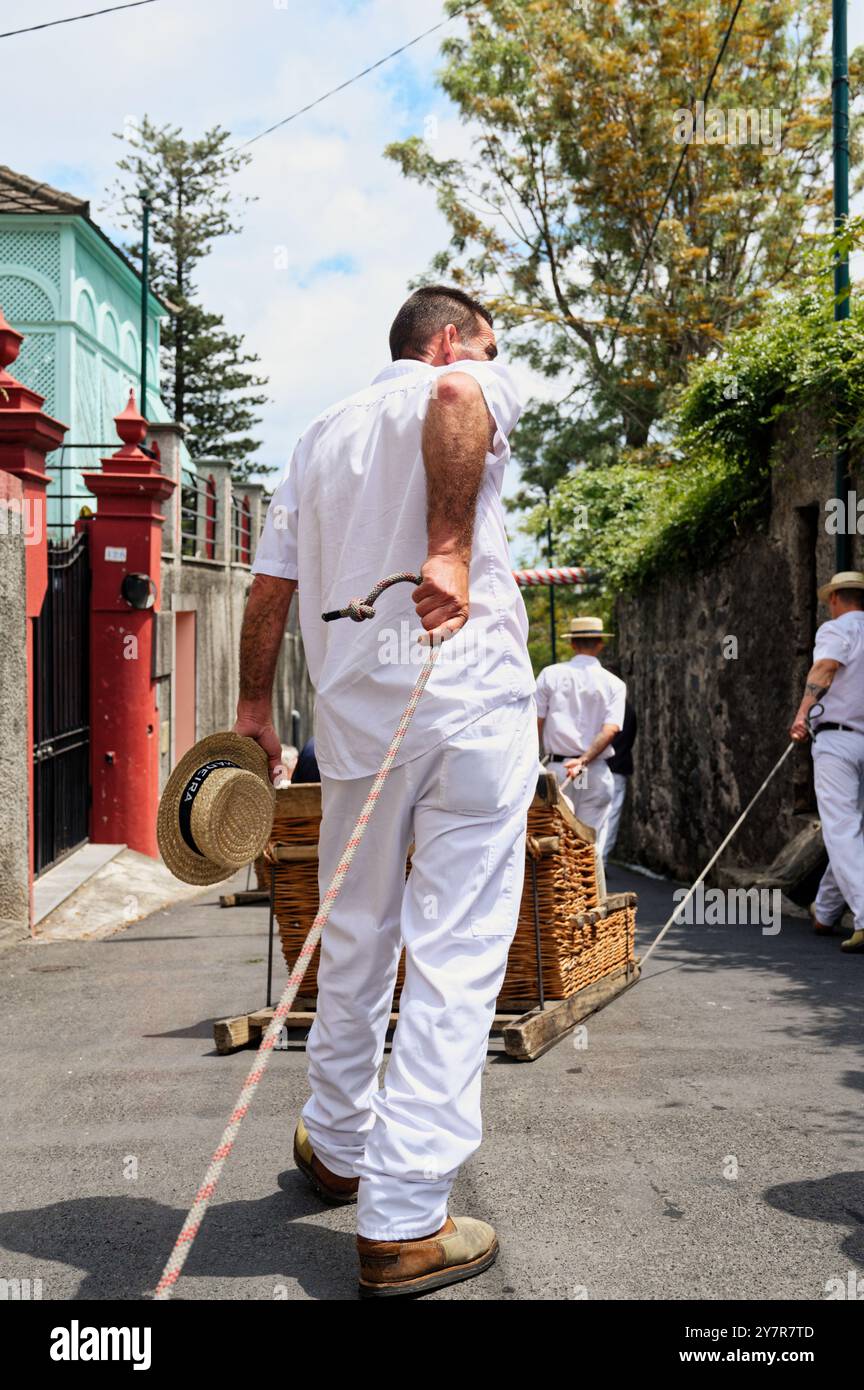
x: 207, y: 380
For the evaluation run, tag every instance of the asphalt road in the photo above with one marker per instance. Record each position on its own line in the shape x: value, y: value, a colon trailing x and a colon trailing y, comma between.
x: 705, y: 1144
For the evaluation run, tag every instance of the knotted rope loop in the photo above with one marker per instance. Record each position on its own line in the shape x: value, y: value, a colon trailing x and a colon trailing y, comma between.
x: 359, y: 609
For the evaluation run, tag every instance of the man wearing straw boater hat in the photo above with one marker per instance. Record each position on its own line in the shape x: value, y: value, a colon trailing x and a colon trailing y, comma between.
x: 405, y: 476
x: 832, y: 712
x: 580, y: 708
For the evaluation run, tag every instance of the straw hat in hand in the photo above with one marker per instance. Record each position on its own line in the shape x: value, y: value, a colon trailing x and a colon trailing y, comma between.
x: 216, y: 812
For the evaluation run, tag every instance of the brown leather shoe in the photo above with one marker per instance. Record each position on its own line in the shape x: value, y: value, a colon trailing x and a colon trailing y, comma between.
x: 820, y: 928
x: 330, y: 1187
x: 823, y: 928
x: 462, y: 1248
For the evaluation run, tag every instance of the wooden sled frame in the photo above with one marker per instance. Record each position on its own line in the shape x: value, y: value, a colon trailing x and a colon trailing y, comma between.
x: 526, y: 1036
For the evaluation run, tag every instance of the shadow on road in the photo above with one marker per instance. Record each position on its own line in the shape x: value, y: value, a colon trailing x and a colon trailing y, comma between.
x: 837, y: 1200
x: 121, y: 1244
x: 799, y: 968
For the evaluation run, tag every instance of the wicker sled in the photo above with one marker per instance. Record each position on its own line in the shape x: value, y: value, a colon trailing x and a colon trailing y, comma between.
x: 563, y: 905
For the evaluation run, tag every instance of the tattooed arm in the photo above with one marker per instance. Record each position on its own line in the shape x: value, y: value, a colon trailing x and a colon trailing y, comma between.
x: 264, y: 624
x: 821, y: 674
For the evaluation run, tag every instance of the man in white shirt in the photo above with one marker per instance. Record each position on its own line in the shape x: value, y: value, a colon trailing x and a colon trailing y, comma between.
x: 406, y: 475
x: 832, y: 710
x: 580, y: 708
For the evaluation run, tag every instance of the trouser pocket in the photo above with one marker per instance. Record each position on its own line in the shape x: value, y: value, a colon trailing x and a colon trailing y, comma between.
x: 486, y: 767
x: 496, y: 909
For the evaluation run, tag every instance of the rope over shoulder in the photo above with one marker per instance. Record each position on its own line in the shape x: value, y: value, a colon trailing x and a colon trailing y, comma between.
x: 358, y: 609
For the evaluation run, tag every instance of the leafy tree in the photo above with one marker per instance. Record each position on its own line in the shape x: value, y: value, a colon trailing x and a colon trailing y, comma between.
x: 712, y: 481
x: 577, y: 107
x: 208, y: 380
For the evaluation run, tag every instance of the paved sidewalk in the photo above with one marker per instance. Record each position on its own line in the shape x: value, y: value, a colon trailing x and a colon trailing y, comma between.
x: 609, y: 1171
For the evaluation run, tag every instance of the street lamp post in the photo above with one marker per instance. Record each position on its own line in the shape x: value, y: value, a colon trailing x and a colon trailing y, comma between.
x: 552, y: 633
x: 840, y: 112
x: 145, y: 277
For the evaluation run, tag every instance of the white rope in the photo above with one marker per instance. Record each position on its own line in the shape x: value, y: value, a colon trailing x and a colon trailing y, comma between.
x: 713, y: 860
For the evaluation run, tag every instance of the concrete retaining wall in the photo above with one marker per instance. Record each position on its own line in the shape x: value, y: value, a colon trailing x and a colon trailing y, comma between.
x: 14, y: 770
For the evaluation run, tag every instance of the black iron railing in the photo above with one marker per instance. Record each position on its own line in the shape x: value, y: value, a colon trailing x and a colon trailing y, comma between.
x: 241, y: 530
x: 61, y: 704
x: 197, y: 516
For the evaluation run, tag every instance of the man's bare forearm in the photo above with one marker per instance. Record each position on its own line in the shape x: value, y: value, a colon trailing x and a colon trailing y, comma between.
x: 455, y: 441
x: 264, y: 623
x: 601, y: 742
x: 819, y: 680
x: 456, y: 436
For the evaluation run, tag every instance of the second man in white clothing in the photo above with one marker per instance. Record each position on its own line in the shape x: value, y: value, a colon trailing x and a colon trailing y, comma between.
x: 580, y: 709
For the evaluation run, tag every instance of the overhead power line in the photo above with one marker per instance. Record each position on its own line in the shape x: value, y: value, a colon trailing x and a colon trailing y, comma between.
x: 73, y: 18
x: 333, y: 90
x: 356, y: 78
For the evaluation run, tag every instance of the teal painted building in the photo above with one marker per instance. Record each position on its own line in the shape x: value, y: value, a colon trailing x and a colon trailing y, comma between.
x: 77, y: 300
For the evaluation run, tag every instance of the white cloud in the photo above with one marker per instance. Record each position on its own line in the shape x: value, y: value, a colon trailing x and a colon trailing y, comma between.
x: 327, y: 199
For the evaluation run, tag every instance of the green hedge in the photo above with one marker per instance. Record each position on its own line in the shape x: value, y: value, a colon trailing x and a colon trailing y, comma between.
x: 709, y: 481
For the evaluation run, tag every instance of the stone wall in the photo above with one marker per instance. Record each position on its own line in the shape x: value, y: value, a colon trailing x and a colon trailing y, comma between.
x: 14, y: 770
x: 715, y: 664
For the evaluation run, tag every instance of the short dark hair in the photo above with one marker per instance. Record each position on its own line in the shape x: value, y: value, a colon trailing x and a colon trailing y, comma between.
x: 853, y: 596
x: 428, y: 311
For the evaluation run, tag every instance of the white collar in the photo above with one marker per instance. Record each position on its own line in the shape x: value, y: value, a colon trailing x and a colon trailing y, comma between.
x: 582, y: 657
x: 402, y: 367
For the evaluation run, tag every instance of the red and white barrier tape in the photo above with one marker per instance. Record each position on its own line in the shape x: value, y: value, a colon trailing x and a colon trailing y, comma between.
x: 567, y: 575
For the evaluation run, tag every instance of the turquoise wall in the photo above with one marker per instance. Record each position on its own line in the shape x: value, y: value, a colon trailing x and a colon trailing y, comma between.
x: 78, y: 305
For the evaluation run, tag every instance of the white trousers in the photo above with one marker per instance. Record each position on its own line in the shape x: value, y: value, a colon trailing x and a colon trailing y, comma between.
x: 838, y: 774
x: 464, y: 805
x: 590, y: 795
x: 619, y: 792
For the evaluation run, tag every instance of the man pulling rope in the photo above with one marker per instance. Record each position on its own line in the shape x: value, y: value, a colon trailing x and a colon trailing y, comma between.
x: 357, y: 609
x: 412, y: 464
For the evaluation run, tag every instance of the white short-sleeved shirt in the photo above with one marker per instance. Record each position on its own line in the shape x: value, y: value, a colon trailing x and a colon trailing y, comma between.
x: 575, y: 699
x: 842, y: 640
x: 351, y: 509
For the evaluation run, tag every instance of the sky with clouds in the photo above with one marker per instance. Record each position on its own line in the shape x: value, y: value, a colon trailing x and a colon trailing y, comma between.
x: 336, y: 233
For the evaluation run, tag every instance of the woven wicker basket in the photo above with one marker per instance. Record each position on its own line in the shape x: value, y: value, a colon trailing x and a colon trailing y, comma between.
x: 580, y: 940
x: 560, y: 855
x: 292, y: 859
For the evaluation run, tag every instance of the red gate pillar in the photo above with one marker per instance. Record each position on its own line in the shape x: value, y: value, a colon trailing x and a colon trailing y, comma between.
x: 126, y: 552
x: 27, y: 434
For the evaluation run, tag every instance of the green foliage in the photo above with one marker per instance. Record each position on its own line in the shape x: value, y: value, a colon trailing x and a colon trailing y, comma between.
x: 574, y: 110
x: 680, y: 504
